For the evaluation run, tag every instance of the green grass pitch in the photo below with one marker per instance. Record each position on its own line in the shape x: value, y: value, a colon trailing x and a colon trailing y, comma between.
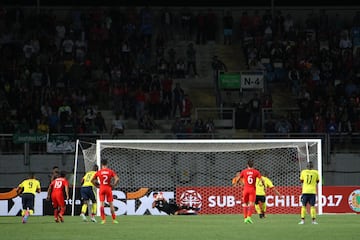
x: 207, y: 227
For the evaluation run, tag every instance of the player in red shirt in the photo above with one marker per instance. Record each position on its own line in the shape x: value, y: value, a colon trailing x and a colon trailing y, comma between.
x: 247, y: 178
x: 56, y: 191
x: 107, y: 179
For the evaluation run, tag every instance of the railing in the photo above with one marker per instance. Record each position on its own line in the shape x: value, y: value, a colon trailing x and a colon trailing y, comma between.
x: 224, y: 118
x: 333, y: 143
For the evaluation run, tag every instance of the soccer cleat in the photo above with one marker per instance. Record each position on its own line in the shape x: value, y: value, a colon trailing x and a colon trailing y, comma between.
x: 93, y: 220
x: 102, y: 222
x: 83, y: 217
x: 248, y: 220
x: 301, y: 222
x: 314, y: 222
x: 25, y: 217
x: 56, y: 220
x: 61, y: 218
x: 115, y: 221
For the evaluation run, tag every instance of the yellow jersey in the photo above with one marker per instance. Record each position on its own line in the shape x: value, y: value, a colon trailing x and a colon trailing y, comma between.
x: 260, y: 188
x: 309, y: 179
x: 30, y: 186
x: 87, y: 179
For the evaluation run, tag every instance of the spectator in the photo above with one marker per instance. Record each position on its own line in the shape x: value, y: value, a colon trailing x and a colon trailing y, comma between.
x: 345, y: 41
x: 201, y: 37
x: 89, y: 117
x: 117, y: 127
x: 180, y: 68
x: 294, y: 81
x: 63, y: 112
x: 254, y: 106
x: 171, y: 61
x: 140, y: 99
x: 191, y: 60
x: 54, y: 122
x: 210, y: 127
x: 211, y: 25
x: 68, y: 48
x: 199, y: 127
x: 228, y: 22
x: 99, y: 123
x: 154, y: 108
x: 186, y: 19
x: 217, y: 65
x: 147, y: 122
x: 186, y: 108
x: 167, y: 23
x: 178, y: 128
x: 178, y: 95
x: 319, y: 123
x: 283, y: 126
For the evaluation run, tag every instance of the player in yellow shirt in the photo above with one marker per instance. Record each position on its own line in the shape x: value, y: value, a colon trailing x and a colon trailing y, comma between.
x: 87, y: 192
x: 260, y: 200
x: 29, y: 187
x: 309, y: 178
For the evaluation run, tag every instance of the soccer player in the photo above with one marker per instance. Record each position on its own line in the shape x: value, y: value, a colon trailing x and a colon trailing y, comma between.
x: 162, y: 205
x: 247, y: 178
x: 29, y: 187
x: 260, y: 200
x: 107, y: 180
x: 54, y: 173
x: 87, y: 194
x: 309, y: 178
x: 56, y: 192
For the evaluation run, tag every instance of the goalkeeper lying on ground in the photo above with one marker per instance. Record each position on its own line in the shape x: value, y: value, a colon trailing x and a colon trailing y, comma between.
x: 170, y: 208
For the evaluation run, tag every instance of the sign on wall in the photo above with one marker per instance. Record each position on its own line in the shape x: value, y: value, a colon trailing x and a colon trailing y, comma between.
x: 252, y: 80
x: 229, y: 80
x: 61, y: 143
x: 335, y: 199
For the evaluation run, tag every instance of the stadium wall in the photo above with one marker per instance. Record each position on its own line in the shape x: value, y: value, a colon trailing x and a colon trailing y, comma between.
x: 343, y: 169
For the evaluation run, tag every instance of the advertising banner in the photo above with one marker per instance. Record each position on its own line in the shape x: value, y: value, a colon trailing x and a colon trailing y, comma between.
x: 210, y: 200
x: 227, y: 200
x: 61, y: 143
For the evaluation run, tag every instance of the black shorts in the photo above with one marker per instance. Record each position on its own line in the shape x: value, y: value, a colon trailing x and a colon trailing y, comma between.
x: 259, y: 199
x: 87, y: 193
x: 28, y: 200
x: 308, y: 198
x: 169, y: 208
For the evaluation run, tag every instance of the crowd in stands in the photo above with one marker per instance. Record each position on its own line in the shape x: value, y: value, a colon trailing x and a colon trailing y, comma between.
x: 317, y: 58
x: 57, y: 72
x: 59, y: 68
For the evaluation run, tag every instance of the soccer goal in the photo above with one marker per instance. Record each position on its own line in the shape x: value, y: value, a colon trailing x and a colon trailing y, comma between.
x: 169, y: 164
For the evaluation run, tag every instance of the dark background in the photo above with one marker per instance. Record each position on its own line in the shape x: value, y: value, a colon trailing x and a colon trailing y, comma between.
x: 180, y: 3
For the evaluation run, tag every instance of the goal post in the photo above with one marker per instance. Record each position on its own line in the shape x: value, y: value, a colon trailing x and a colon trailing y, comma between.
x: 209, y: 165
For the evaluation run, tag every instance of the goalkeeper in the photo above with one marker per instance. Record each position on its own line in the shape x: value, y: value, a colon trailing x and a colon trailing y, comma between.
x: 170, y: 208
x: 87, y: 194
x: 260, y: 200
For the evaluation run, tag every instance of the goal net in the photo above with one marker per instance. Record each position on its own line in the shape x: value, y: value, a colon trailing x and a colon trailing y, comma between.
x: 205, y: 168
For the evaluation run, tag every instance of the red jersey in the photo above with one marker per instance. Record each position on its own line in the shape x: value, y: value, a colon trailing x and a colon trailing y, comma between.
x: 58, y: 184
x: 249, y: 176
x: 105, y: 175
